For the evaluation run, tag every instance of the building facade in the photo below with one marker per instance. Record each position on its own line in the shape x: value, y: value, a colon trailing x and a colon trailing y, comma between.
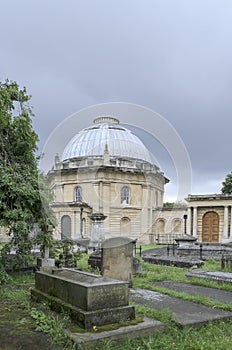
x: 106, y: 168
x: 210, y: 217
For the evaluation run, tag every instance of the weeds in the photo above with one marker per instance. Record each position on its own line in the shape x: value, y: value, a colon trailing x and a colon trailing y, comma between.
x: 54, y: 325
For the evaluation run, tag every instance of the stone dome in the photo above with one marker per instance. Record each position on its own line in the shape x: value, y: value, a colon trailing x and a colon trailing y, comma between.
x: 92, y: 141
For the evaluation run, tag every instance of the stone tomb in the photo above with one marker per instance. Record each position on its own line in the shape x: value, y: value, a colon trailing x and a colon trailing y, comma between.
x: 90, y: 300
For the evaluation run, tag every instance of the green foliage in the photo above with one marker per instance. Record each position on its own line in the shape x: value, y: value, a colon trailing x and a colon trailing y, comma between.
x: 51, y: 324
x: 227, y: 184
x: 64, y: 253
x: 4, y: 277
x: 18, y: 297
x: 21, y: 204
x: 179, y: 204
x: 45, y: 320
x: 168, y: 204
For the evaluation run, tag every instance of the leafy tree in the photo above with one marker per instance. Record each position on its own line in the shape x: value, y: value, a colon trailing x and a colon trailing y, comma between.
x: 168, y: 204
x: 227, y: 184
x: 21, y: 204
x: 179, y: 204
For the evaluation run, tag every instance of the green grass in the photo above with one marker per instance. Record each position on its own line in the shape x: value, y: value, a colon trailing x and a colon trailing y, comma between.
x: 165, y: 315
x: 156, y: 273
x: 18, y: 278
x: 211, y: 337
x: 153, y: 273
x: 38, y: 316
x: 151, y: 246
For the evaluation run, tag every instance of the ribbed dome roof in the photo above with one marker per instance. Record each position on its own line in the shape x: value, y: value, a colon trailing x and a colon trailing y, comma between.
x: 121, y: 142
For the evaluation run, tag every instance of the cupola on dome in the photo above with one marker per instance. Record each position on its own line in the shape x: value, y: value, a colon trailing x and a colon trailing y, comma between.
x: 106, y: 130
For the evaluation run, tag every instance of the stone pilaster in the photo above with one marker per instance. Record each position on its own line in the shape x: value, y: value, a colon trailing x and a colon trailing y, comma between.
x: 226, y: 217
x: 189, y: 221
x: 195, y: 221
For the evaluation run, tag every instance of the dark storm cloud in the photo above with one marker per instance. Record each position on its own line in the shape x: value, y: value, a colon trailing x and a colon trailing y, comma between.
x: 169, y: 55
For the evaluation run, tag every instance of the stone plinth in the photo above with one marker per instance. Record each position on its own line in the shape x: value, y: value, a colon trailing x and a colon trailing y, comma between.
x: 185, y: 240
x: 117, y: 258
x: 45, y: 262
x: 89, y: 299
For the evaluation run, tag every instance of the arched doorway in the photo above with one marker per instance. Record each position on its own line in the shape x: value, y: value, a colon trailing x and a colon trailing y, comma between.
x: 125, y: 226
x: 210, y: 227
x: 65, y: 227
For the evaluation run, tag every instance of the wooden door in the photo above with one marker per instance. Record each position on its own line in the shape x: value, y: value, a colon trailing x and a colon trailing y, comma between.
x: 210, y: 227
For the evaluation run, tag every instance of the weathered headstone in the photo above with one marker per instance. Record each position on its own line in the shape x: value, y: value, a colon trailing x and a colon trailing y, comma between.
x: 117, y: 258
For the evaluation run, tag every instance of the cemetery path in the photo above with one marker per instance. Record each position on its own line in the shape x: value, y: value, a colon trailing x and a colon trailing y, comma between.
x: 215, y: 294
x: 186, y: 313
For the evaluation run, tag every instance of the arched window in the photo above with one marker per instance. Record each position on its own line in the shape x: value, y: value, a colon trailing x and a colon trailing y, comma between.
x: 78, y: 194
x: 125, y: 226
x: 161, y: 226
x: 125, y: 195
x: 65, y: 227
x: 176, y: 225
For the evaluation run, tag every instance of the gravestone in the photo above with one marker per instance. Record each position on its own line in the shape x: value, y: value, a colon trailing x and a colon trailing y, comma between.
x: 117, y: 258
x: 91, y: 300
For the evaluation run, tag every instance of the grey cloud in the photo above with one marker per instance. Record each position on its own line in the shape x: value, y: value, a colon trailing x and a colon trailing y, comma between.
x: 171, y: 56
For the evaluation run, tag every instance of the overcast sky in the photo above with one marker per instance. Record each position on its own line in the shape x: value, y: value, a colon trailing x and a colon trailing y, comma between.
x: 171, y: 56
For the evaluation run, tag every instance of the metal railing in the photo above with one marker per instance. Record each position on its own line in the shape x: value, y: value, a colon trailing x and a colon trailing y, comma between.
x: 166, y: 238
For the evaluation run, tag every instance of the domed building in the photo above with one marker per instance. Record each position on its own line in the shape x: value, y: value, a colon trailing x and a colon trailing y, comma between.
x: 106, y: 169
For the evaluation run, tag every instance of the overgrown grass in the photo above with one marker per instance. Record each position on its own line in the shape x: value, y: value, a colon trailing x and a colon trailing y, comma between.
x: 155, y: 273
x: 163, y: 315
x: 199, y: 299
x: 151, y: 246
x: 209, y: 337
x: 18, y: 278
x: 16, y: 296
x: 45, y: 320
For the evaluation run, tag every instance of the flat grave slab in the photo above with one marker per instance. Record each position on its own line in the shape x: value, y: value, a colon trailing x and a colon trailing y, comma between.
x: 212, y: 293
x: 173, y: 261
x: 218, y: 276
x: 186, y: 313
